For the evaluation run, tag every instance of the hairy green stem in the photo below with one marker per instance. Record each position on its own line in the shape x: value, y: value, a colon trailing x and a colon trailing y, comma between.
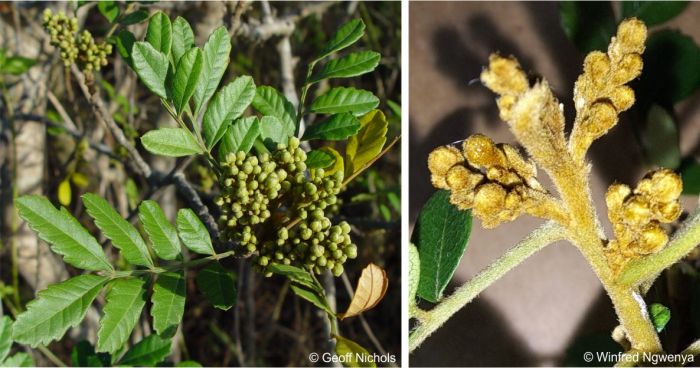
x: 429, y: 321
x: 684, y: 241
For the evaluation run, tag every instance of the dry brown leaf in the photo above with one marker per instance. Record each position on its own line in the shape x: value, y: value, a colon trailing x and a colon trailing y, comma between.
x: 369, y: 291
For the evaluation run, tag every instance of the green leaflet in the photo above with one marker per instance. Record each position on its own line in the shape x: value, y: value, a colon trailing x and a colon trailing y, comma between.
x: 163, y: 235
x: 57, y: 308
x: 441, y: 235
x: 16, y: 65
x: 228, y: 104
x: 319, y: 159
x: 20, y: 359
x: 413, y: 273
x: 123, y: 235
x: 5, y: 337
x: 295, y: 274
x: 270, y: 102
x: 134, y: 17
x: 125, y: 300
x: 193, y: 232
x: 109, y: 9
x: 160, y: 32
x: 338, y: 127
x: 659, y: 138
x: 652, y: 12
x: 65, y: 234
x: 174, y: 142
x: 660, y: 315
x: 218, y: 285
x: 588, y: 25
x: 151, y: 66
x: 367, y: 143
x: 312, y: 296
x: 83, y: 355
x: 239, y: 136
x: 125, y: 41
x: 272, y: 131
x: 216, y: 59
x: 345, y: 36
x: 148, y: 352
x: 352, y: 350
x: 345, y: 99
x: 183, y: 38
x: 168, y: 301
x: 352, y: 65
x: 186, y: 78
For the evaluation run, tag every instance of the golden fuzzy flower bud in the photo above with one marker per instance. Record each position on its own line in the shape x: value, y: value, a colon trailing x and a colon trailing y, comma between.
x: 504, y: 76
x: 481, y: 152
x: 440, y: 161
x: 489, y: 201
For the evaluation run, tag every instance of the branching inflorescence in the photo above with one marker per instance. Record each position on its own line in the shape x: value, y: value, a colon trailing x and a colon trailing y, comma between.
x: 498, y: 184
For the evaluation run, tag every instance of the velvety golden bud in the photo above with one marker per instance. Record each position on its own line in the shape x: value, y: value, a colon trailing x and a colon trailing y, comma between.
x: 440, y: 161
x: 616, y: 195
x: 504, y: 76
x: 603, y: 116
x: 666, y: 185
x: 652, y: 239
x: 505, y: 105
x: 596, y: 65
x: 636, y: 211
x: 627, y: 69
x: 622, y: 97
x: 488, y: 202
x: 668, y: 212
x: 461, y: 178
x: 526, y: 169
x: 631, y: 34
x: 480, y: 151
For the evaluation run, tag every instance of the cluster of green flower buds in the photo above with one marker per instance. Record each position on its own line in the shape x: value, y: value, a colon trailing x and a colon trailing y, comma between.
x: 278, y: 210
x: 75, y: 47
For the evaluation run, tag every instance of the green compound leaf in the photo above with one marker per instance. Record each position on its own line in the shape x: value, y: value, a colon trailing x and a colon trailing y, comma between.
x: 352, y: 65
x: 83, y: 355
x: 174, y: 142
x: 151, y: 66
x: 163, y: 235
x: 441, y: 235
x: 110, y: 9
x: 367, y: 143
x: 353, y: 351
x: 659, y: 139
x: 413, y: 273
x: 56, y: 309
x: 183, y: 38
x: 319, y: 159
x: 125, y: 301
x: 345, y: 36
x: 186, y: 78
x: 148, y: 352
x: 20, y: 359
x: 168, y: 301
x: 218, y: 285
x: 228, y: 104
x: 345, y: 99
x: 65, y: 234
x: 690, y: 173
x: 268, y: 101
x: 272, y: 131
x: 660, y: 315
x: 160, y: 33
x: 338, y: 127
x: 652, y: 12
x: 216, y: 59
x: 312, y: 296
x: 193, y: 232
x: 589, y: 25
x: 5, y: 337
x: 239, y: 136
x: 123, y: 235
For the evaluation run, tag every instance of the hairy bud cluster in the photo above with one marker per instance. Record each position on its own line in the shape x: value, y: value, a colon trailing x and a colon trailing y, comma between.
x: 262, y: 194
x: 493, y: 180
x: 637, y: 215
x: 75, y: 47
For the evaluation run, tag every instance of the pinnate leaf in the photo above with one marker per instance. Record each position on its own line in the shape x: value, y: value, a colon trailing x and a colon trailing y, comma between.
x: 168, y: 301
x: 345, y: 36
x: 338, y: 127
x: 270, y: 102
x: 367, y: 143
x: 163, y: 235
x: 218, y: 285
x: 240, y: 136
x: 174, y: 142
x: 345, y: 99
x: 148, y: 352
x: 183, y: 38
x: 125, y: 301
x: 151, y: 66
x: 186, y: 78
x: 369, y: 291
x: 65, y: 234
x: 56, y: 309
x: 216, y: 59
x: 123, y: 235
x: 193, y: 232
x: 352, y: 65
x: 160, y: 32
x: 441, y: 235
x: 228, y: 104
